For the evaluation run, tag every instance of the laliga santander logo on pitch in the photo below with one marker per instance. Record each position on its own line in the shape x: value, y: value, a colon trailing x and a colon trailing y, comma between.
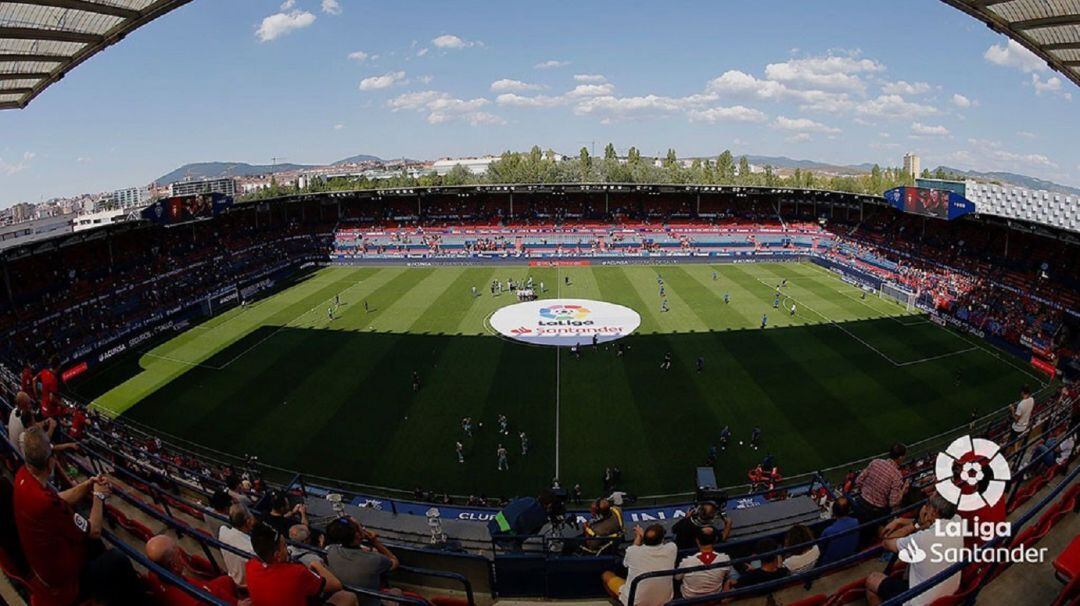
x: 565, y: 312
x: 564, y: 322
x: 971, y: 473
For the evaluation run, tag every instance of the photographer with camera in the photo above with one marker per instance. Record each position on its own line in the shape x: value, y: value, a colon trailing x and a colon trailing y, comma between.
x: 604, y: 529
x: 688, y: 529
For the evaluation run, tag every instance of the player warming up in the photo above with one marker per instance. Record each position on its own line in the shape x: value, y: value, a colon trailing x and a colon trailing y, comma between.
x: 504, y: 463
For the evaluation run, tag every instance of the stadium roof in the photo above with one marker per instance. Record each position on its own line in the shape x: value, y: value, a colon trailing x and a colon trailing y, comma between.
x: 42, y: 40
x: 1048, y: 28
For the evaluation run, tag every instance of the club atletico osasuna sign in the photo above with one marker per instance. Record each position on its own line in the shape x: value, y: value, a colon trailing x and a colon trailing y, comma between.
x: 565, y: 322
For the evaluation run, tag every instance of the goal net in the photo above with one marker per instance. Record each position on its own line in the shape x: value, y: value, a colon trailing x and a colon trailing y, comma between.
x: 892, y: 292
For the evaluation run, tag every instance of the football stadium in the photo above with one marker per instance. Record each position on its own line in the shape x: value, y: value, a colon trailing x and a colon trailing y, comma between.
x: 602, y: 378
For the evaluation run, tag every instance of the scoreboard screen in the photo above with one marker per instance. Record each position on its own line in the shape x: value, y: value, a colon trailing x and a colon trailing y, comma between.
x: 181, y: 209
x: 937, y: 203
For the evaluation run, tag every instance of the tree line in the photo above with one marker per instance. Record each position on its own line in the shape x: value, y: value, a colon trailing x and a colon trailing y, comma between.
x: 538, y: 166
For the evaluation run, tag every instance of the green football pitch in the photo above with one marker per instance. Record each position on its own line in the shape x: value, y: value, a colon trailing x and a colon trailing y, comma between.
x: 841, y: 379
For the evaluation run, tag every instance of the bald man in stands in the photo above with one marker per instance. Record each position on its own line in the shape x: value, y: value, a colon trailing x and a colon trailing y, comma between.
x: 164, y: 551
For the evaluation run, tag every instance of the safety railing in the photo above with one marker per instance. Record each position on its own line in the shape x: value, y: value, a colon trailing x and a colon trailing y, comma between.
x: 809, y: 576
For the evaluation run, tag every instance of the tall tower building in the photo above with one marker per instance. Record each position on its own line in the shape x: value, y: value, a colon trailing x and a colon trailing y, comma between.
x: 911, y: 164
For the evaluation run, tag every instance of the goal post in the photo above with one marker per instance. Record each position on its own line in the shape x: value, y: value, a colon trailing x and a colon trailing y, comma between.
x: 902, y: 296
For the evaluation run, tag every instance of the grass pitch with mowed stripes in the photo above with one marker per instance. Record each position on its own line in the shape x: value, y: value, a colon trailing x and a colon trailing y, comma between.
x: 840, y: 380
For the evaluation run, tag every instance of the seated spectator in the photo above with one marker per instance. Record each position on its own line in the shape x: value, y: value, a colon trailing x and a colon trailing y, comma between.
x: 21, y: 418
x: 770, y: 567
x: 358, y: 557
x: 283, y: 515
x: 220, y: 502
x: 1054, y: 450
x: 275, y: 581
x: 605, y: 529
x: 918, y: 535
x: 704, y: 582
x: 300, y: 536
x: 649, y: 553
x: 836, y: 542
x: 164, y: 551
x: 237, y: 534
x: 704, y: 515
x: 60, y: 545
x: 804, y: 558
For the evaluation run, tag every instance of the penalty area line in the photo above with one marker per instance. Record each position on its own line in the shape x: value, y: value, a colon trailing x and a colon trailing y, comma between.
x: 836, y: 324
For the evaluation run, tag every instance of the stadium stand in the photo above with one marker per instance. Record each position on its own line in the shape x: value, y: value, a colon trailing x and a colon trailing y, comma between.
x: 87, y: 298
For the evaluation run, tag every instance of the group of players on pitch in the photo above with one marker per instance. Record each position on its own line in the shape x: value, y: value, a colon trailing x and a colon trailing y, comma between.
x: 664, y: 307
x: 502, y: 455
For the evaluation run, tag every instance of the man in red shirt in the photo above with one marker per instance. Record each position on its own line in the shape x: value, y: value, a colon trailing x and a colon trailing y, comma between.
x: 54, y: 537
x: 163, y: 550
x: 49, y: 379
x: 273, y: 580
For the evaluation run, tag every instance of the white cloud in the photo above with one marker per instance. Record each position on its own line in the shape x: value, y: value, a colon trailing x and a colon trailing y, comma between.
x: 926, y: 130
x: 735, y: 82
x: 551, y: 64
x: 508, y: 85
x: 422, y: 51
x: 740, y: 84
x: 441, y: 108
x: 514, y: 100
x: 1051, y: 85
x: 591, y: 90
x: 331, y: 7
x: 339, y: 126
x: 832, y: 71
x: 735, y: 113
x: 901, y: 87
x: 384, y: 81
x: 1032, y: 160
x: 962, y: 102
x: 279, y: 24
x: 413, y: 100
x: 894, y: 106
x: 8, y: 168
x: 1026, y: 134
x: 611, y: 108
x: 361, y: 56
x: 288, y: 4
x: 1013, y: 54
x: 425, y: 79
x: 804, y: 125
x: 452, y: 42
x: 593, y: 78
x: 799, y: 138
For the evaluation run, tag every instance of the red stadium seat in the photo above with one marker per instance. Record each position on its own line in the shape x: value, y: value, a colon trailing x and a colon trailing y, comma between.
x: 814, y: 600
x: 849, y: 593
x: 1067, y: 563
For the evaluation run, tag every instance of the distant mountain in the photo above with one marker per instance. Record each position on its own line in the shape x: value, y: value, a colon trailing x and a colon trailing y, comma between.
x: 357, y: 160
x: 1014, y: 179
x: 216, y: 170
x: 785, y: 162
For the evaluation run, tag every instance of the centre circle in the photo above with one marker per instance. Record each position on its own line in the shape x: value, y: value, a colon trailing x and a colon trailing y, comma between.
x: 565, y: 322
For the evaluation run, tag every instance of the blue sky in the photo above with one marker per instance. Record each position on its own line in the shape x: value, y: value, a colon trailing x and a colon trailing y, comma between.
x: 843, y: 81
